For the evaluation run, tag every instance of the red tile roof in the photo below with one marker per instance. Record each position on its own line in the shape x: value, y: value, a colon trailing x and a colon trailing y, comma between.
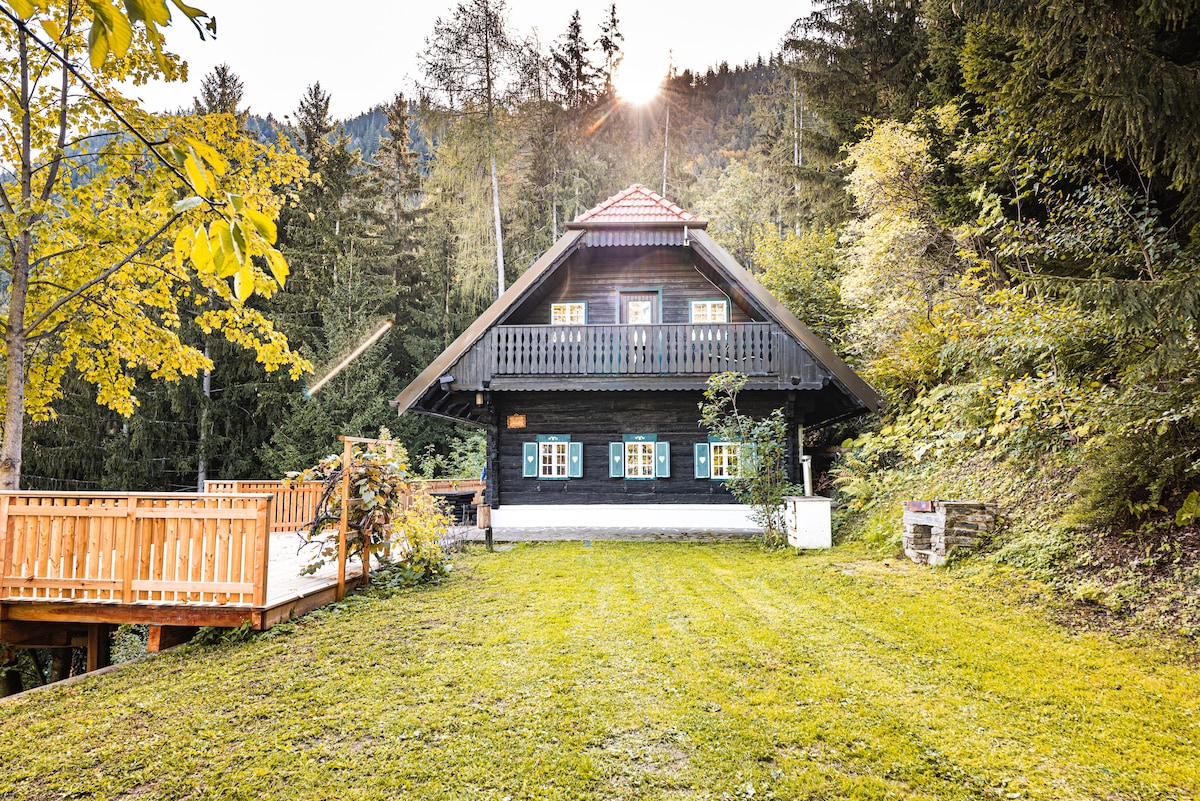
x: 637, y: 204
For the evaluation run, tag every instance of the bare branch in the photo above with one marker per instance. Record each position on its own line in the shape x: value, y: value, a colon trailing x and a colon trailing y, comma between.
x: 52, y: 178
x: 54, y: 255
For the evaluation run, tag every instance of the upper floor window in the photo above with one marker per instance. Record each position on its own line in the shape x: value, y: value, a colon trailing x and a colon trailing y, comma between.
x: 638, y: 306
x: 568, y: 313
x: 709, y: 311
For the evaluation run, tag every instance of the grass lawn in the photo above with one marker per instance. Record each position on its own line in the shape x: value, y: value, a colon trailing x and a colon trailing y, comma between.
x: 634, y: 671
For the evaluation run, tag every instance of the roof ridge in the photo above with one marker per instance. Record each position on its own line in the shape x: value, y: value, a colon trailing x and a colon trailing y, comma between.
x: 639, y: 203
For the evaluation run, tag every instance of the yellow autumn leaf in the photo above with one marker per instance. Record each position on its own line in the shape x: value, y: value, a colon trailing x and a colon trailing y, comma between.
x: 243, y: 284
x: 196, y: 174
x: 241, y: 242
x: 278, y: 266
x: 111, y: 32
x: 264, y: 224
x: 202, y: 255
x: 230, y: 261
x: 52, y: 30
x: 210, y: 154
x: 24, y: 8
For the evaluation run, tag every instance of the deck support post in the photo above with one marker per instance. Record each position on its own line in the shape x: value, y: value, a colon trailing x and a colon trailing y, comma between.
x: 347, y: 457
x: 262, y: 550
x: 161, y: 638
x: 99, y: 646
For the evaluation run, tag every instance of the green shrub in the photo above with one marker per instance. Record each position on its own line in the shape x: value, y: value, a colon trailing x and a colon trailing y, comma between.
x: 761, y: 481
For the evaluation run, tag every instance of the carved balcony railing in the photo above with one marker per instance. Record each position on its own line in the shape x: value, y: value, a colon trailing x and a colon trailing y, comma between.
x: 666, y: 349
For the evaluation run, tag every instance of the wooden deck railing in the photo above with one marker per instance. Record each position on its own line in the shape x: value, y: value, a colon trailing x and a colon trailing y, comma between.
x: 670, y: 349
x: 294, y: 507
x: 134, y: 548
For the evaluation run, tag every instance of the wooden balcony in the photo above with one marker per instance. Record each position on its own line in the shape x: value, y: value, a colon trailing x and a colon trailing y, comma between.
x: 631, y: 350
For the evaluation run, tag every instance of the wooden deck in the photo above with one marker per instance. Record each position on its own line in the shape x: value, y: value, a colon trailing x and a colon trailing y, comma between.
x: 74, y: 566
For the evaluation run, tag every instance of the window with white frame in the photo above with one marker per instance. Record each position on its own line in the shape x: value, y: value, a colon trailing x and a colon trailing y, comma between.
x: 552, y: 459
x: 639, y: 457
x: 568, y: 313
x: 639, y: 460
x: 552, y: 456
x: 710, y: 311
x: 724, y: 457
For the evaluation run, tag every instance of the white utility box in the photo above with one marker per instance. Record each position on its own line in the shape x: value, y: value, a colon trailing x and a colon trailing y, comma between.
x: 808, y: 521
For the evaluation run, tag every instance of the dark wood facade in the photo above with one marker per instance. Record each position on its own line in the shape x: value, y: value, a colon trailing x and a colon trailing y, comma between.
x: 635, y: 362
x: 599, y: 418
x: 525, y: 352
x: 599, y: 275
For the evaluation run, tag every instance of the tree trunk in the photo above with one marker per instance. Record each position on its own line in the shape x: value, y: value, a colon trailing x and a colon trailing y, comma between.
x: 14, y: 334
x: 499, y: 235
x: 60, y: 664
x: 14, y: 395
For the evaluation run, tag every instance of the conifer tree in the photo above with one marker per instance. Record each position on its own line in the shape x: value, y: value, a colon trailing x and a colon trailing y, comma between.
x: 466, y: 58
x: 221, y: 93
x: 574, y: 72
x: 610, y: 44
x: 343, y: 287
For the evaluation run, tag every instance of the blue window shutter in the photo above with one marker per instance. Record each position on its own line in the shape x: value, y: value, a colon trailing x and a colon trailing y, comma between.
x: 616, y: 460
x: 662, y: 459
x: 574, y: 460
x: 529, y: 462
x: 702, y: 460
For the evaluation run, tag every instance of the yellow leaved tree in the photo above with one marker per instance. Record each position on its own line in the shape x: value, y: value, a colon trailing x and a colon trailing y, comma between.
x: 116, y: 221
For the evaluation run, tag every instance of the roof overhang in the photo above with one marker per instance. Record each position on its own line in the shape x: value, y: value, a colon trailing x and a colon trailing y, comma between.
x: 430, y: 394
x: 428, y: 382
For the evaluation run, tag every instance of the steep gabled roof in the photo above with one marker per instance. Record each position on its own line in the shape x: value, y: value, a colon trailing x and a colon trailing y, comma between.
x: 637, y: 205
x: 635, y: 208
x: 716, y: 255
x: 428, y: 378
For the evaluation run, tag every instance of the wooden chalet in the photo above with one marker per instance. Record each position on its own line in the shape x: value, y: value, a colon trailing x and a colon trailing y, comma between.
x: 587, y: 374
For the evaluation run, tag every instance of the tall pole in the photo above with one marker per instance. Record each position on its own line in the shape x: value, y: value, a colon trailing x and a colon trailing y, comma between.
x: 795, y: 127
x: 666, y: 143
x: 667, y: 125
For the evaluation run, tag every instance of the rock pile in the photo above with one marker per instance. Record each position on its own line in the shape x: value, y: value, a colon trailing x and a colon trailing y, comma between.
x: 933, y: 529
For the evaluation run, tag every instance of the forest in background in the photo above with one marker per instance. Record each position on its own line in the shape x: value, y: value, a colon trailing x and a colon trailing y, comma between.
x: 988, y: 208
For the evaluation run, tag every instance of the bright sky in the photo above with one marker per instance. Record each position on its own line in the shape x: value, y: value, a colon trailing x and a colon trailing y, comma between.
x: 364, y: 52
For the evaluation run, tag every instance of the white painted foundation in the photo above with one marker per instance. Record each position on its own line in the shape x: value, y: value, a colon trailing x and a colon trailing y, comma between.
x: 700, y: 517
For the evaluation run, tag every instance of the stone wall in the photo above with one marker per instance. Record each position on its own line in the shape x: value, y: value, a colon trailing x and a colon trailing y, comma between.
x: 934, y: 529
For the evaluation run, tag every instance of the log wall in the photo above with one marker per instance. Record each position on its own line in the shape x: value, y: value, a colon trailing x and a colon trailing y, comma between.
x: 598, y: 418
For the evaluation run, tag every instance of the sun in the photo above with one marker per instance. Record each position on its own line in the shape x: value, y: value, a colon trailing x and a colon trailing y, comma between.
x: 638, y: 82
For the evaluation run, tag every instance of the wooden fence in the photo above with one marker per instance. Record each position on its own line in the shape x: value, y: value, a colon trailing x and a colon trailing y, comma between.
x: 294, y: 507
x: 134, y: 548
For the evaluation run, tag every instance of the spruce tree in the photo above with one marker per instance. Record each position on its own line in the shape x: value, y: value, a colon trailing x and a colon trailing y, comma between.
x: 574, y: 72
x: 610, y: 44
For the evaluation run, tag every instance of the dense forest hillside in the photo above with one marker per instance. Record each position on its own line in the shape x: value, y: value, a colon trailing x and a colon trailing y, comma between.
x: 989, y: 208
